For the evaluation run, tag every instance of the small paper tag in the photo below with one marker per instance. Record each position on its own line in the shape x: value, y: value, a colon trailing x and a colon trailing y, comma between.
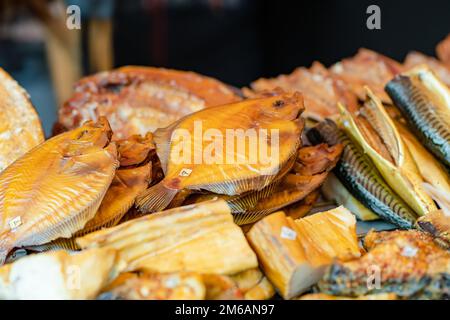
x: 185, y: 172
x: 288, y: 233
x: 409, y: 251
x: 15, y: 223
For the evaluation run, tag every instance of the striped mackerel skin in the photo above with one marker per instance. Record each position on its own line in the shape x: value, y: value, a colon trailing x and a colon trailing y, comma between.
x: 429, y: 123
x: 359, y: 175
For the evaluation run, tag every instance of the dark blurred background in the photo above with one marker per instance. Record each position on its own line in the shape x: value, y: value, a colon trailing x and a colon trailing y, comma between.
x: 236, y: 41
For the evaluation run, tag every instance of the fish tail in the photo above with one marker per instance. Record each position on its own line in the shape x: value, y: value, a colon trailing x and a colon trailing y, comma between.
x: 156, y: 198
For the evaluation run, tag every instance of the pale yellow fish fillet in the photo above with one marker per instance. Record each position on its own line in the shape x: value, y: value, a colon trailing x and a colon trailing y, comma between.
x: 198, y: 238
x: 59, y: 275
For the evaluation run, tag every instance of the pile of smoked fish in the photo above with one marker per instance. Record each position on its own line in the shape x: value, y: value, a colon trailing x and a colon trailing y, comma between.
x: 122, y: 202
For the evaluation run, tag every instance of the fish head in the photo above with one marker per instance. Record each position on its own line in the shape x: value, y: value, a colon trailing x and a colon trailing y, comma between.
x: 286, y: 106
x: 90, y: 136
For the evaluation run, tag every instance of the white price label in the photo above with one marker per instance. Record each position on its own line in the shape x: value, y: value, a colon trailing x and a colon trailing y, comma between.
x: 185, y: 172
x: 288, y: 233
x: 15, y: 223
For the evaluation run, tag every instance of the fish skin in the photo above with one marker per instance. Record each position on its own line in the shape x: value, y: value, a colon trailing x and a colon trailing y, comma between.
x: 56, y: 187
x: 312, y: 168
x: 131, y: 178
x: 140, y: 99
x: 321, y: 90
x: 275, y: 112
x: 396, y: 165
x: 427, y: 119
x: 411, y: 266
x: 20, y: 126
x: 358, y: 174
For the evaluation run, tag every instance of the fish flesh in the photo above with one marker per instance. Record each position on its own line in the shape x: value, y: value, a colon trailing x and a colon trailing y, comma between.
x: 75, y: 171
x: 196, y: 238
x: 302, y: 208
x: 360, y: 176
x: 254, y: 285
x: 323, y: 296
x: 20, y: 127
x: 334, y: 190
x: 310, y: 171
x: 131, y: 178
x: 406, y: 263
x: 415, y: 59
x: 367, y: 68
x: 227, y: 169
x: 155, y: 286
x: 59, y: 275
x: 443, y: 51
x: 221, y: 287
x: 437, y: 224
x: 431, y: 170
x: 321, y: 89
x: 293, y: 254
x: 425, y: 103
x: 378, y: 136
x: 137, y: 100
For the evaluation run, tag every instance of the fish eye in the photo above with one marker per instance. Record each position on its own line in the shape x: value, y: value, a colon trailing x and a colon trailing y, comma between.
x: 278, y: 103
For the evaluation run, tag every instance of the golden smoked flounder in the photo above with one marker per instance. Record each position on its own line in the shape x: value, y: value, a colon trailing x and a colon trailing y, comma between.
x: 131, y: 178
x: 20, y: 127
x: 53, y: 190
x: 204, y: 150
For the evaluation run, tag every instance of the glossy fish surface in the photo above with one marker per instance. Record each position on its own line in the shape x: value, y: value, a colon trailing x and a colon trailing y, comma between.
x: 310, y: 171
x: 360, y: 176
x: 136, y: 100
x: 375, y: 132
x: 75, y: 171
x: 234, y: 170
x: 412, y: 266
x: 425, y: 102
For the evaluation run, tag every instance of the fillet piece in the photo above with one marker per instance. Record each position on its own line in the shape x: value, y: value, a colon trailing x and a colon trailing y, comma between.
x: 310, y: 170
x: 293, y: 254
x: 407, y: 263
x: 53, y: 190
x: 443, y: 51
x: 196, y: 238
x: 20, y: 127
x: 415, y: 59
x: 375, y: 132
x: 254, y: 285
x: 321, y: 90
x: 322, y: 296
x: 155, y: 286
x: 367, y: 68
x: 437, y: 224
x: 137, y: 100
x: 58, y: 275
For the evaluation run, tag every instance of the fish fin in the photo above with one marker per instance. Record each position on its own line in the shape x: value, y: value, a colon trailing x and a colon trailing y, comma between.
x: 162, y: 138
x: 155, y: 198
x: 68, y: 244
x: 251, y: 216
